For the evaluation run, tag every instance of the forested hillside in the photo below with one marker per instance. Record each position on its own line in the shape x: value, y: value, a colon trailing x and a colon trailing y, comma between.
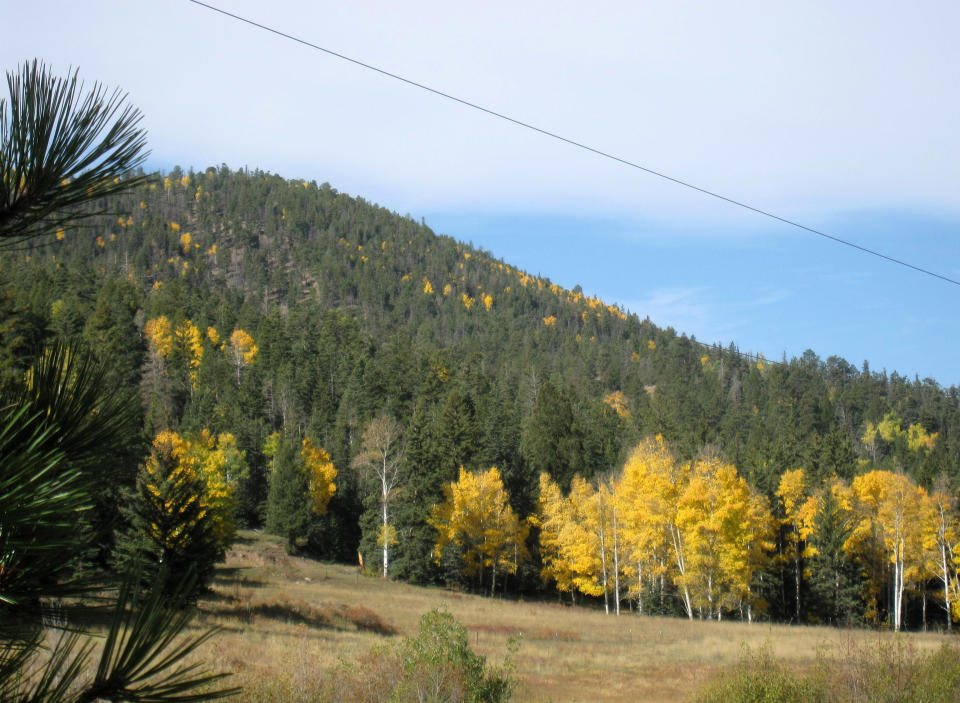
x: 338, y: 364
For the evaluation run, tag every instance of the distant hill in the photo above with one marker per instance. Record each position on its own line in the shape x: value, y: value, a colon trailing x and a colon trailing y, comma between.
x: 357, y: 311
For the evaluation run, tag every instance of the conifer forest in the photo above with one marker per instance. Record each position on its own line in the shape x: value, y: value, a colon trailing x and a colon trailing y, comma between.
x: 306, y: 362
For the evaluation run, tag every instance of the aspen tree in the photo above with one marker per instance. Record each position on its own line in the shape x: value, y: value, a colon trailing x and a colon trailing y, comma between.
x: 242, y: 351
x: 889, y: 508
x: 552, y: 516
x: 947, y: 535
x: 799, y: 512
x: 320, y: 475
x: 645, y: 513
x: 476, y: 516
x: 381, y: 453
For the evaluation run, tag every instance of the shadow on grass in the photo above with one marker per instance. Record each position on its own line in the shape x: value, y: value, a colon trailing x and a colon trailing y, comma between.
x: 299, y: 612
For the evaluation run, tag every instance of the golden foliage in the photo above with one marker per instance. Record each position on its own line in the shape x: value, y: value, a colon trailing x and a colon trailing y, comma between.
x: 320, y: 475
x: 242, y: 350
x: 218, y: 464
x: 477, y: 517
x: 159, y: 336
x: 618, y: 401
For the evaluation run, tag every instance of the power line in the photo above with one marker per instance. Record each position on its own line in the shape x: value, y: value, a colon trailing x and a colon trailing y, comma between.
x: 579, y: 145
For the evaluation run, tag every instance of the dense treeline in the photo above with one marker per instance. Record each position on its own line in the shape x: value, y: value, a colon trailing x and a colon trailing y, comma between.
x: 269, y: 324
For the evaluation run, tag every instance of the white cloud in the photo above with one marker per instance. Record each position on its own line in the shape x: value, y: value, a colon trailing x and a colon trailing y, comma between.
x: 798, y: 108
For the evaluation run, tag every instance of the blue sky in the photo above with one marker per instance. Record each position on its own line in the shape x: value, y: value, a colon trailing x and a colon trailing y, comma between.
x: 842, y: 116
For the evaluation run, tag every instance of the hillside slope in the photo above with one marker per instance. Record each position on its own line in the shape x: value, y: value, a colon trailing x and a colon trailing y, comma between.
x: 357, y: 312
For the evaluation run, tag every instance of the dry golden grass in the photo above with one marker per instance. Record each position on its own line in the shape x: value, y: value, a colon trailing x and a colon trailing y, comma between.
x: 288, y: 621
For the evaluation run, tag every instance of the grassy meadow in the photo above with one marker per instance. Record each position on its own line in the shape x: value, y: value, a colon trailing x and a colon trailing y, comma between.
x: 288, y: 621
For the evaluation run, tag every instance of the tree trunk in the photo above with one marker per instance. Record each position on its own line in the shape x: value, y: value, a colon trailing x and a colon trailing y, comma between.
x: 616, y: 564
x: 946, y: 583
x: 603, y: 564
x: 386, y: 556
x: 640, y: 588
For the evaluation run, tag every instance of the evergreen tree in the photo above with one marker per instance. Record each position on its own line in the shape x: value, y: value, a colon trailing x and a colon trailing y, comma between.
x: 834, y: 577
x: 289, y: 511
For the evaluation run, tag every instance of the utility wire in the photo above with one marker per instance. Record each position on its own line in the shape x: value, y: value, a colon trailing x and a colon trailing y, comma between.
x: 579, y: 145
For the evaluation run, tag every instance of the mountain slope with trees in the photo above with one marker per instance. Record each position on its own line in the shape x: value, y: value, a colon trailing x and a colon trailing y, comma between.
x: 289, y: 317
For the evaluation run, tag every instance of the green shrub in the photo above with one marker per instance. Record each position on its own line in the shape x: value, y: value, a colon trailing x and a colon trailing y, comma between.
x: 891, y: 670
x: 759, y: 678
x: 435, y: 666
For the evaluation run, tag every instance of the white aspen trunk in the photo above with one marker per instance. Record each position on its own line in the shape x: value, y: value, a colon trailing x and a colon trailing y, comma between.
x: 897, y: 585
x: 681, y: 567
x: 639, y: 587
x: 386, y: 545
x: 945, y: 574
x: 616, y: 563
x: 603, y: 564
x: 710, y: 597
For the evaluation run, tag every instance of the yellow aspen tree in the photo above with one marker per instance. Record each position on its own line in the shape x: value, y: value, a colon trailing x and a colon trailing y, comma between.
x: 218, y: 462
x: 760, y: 543
x: 381, y: 455
x: 553, y: 515
x: 646, y: 513
x: 476, y: 516
x: 618, y: 401
x: 579, y: 541
x: 668, y: 483
x: 713, y: 518
x: 189, y: 342
x: 799, y: 514
x: 918, y: 439
x: 947, y: 535
x: 320, y: 475
x: 590, y: 539
x: 159, y: 336
x: 218, y: 465
x: 611, y: 489
x: 889, y: 508
x: 242, y: 351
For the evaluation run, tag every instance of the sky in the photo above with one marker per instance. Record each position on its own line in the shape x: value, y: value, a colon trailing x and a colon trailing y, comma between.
x: 844, y: 117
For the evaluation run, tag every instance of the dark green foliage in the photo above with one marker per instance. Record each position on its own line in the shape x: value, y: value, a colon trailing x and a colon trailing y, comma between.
x: 64, y: 439
x: 289, y: 512
x: 332, y: 290
x: 65, y: 429
x: 42, y: 505
x: 169, y: 532
x: 549, y: 442
x: 435, y: 666
x: 835, y: 585
x: 60, y: 149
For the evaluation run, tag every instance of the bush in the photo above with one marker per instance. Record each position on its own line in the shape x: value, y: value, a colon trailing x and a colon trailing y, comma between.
x: 892, y: 670
x: 435, y: 666
x: 759, y: 678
